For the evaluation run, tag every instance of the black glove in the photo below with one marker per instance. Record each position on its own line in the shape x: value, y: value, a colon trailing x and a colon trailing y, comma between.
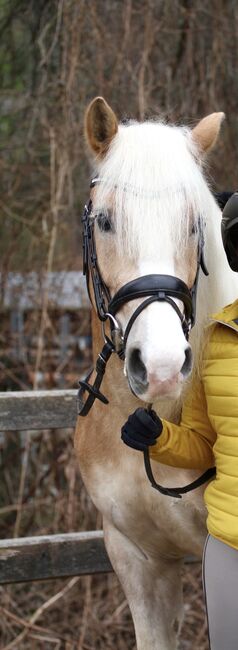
x: 141, y: 429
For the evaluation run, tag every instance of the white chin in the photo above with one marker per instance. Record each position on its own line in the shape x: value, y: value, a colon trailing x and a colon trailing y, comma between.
x: 168, y: 394
x: 169, y: 390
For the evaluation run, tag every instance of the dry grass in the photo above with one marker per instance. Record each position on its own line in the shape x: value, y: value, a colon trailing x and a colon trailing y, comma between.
x: 93, y: 614
x: 85, y: 613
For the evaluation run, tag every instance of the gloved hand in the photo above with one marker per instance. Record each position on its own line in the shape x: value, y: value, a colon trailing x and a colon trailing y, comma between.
x: 141, y: 429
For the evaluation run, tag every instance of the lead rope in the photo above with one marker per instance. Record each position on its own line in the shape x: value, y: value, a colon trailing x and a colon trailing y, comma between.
x: 176, y: 492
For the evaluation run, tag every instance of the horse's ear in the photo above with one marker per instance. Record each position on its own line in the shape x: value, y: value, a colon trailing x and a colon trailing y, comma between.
x: 100, y: 125
x: 207, y: 130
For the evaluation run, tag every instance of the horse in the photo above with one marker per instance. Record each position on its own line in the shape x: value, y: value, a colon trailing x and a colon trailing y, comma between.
x: 151, y: 210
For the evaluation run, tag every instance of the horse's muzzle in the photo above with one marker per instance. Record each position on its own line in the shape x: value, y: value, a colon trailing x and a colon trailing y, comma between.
x: 145, y: 384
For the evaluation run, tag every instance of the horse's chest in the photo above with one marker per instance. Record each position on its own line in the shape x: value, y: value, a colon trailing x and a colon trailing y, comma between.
x: 152, y: 521
x: 116, y: 481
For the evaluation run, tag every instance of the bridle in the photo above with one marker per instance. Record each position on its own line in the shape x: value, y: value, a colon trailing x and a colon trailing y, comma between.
x: 152, y: 288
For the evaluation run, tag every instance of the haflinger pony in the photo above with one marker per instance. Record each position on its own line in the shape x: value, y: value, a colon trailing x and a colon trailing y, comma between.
x: 150, y: 210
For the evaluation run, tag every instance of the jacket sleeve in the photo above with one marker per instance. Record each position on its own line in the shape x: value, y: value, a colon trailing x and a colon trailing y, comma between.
x: 189, y: 444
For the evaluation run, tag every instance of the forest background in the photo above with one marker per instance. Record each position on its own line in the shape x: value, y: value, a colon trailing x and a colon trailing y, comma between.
x: 148, y: 58
x: 174, y: 58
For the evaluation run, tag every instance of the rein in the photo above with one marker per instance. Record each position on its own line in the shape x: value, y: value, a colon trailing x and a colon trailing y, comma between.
x: 153, y: 288
x: 176, y: 492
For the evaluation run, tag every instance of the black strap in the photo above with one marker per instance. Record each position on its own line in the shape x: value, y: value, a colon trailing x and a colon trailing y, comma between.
x: 176, y: 491
x: 84, y: 406
x: 151, y: 285
x: 160, y: 296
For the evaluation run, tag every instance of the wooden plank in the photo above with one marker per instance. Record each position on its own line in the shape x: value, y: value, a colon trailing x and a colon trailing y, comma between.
x: 53, y: 556
x: 65, y: 289
x: 23, y: 410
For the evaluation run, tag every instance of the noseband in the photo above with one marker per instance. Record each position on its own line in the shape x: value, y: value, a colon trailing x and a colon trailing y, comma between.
x: 151, y: 288
x: 159, y: 288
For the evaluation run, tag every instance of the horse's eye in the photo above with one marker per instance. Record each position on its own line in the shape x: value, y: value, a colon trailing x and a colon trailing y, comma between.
x: 104, y: 222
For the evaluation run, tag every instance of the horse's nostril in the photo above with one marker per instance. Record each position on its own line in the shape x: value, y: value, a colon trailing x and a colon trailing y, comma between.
x: 136, y: 366
x: 187, y: 365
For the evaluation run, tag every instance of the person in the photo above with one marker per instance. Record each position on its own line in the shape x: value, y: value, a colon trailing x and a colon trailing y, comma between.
x: 208, y: 433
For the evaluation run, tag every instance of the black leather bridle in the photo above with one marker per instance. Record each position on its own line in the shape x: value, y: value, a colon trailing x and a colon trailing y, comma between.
x: 153, y: 288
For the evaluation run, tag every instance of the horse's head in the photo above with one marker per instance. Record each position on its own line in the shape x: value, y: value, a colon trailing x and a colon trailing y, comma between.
x: 149, y: 212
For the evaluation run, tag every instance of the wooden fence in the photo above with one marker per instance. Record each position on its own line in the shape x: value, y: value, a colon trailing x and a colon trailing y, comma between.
x: 49, y: 556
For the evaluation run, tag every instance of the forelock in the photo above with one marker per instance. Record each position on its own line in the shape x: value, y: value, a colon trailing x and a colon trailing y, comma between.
x: 153, y: 173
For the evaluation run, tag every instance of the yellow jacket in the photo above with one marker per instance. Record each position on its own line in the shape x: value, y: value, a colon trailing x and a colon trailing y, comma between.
x: 208, y: 432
